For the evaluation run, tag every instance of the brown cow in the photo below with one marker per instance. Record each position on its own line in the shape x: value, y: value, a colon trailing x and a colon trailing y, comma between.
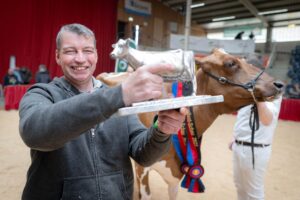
x: 218, y: 74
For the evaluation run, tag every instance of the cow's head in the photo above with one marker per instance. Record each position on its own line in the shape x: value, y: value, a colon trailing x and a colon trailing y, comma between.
x: 227, y: 75
x: 120, y: 49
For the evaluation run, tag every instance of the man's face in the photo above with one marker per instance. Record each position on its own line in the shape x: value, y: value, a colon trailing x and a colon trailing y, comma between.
x: 10, y: 71
x: 77, y: 57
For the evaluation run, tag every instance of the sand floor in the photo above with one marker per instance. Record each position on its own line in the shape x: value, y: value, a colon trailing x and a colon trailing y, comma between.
x: 282, y: 180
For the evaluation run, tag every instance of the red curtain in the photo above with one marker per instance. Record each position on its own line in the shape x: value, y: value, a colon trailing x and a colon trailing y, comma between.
x: 29, y: 28
x: 290, y: 110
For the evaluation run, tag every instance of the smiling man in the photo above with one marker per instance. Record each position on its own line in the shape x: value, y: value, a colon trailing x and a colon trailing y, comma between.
x: 77, y: 56
x: 78, y: 149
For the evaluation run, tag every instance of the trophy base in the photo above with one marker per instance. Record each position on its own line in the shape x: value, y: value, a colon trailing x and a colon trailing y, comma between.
x: 168, y: 104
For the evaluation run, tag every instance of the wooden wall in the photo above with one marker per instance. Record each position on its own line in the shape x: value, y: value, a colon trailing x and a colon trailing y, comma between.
x: 155, y: 29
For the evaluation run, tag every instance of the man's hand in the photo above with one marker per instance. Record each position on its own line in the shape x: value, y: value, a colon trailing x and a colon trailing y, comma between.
x: 230, y: 145
x: 144, y: 83
x: 265, y: 114
x: 170, y: 121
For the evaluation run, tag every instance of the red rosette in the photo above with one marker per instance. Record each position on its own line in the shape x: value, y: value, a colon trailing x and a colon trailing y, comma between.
x: 196, y: 171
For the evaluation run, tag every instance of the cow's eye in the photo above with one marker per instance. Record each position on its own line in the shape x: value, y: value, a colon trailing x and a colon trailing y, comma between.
x: 229, y: 63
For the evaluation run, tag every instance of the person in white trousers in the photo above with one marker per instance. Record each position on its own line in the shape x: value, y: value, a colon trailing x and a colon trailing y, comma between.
x: 249, y: 177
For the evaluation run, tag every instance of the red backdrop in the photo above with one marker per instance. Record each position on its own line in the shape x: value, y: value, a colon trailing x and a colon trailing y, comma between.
x: 29, y: 28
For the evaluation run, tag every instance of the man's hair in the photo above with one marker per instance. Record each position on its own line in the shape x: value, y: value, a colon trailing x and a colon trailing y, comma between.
x: 78, y: 29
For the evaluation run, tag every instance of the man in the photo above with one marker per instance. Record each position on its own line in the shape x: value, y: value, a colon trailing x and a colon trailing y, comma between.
x: 42, y: 76
x: 79, y: 150
x: 249, y: 179
x: 10, y: 78
x: 239, y: 36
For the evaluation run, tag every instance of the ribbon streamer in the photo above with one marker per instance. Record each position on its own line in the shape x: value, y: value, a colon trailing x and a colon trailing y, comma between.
x: 187, y: 146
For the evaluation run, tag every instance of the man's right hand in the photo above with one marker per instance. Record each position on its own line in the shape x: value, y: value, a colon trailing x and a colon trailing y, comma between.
x: 144, y: 83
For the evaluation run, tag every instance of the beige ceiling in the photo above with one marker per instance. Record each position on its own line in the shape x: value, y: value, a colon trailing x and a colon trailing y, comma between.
x: 246, y: 12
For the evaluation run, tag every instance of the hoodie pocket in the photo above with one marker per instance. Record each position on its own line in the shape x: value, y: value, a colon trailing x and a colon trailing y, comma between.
x: 80, y: 188
x: 112, y: 186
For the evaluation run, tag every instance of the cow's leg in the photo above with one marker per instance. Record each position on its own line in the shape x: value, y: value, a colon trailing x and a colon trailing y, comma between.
x: 169, y: 170
x: 173, y: 190
x: 166, y: 174
x: 142, y: 177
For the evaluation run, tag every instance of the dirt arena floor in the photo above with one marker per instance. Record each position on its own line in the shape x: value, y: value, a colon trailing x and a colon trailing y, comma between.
x: 282, y: 180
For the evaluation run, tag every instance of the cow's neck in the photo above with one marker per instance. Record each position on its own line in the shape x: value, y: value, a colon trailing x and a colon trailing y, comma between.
x: 205, y: 115
x: 134, y: 58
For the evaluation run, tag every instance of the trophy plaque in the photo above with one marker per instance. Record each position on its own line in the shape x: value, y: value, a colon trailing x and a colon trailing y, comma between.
x: 167, y: 104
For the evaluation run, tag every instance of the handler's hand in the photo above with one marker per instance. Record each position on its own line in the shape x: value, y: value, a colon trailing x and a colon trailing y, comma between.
x: 144, y: 83
x: 230, y: 144
x: 170, y: 121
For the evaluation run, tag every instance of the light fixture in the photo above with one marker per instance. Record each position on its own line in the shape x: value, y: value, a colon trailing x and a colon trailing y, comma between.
x: 223, y: 18
x: 130, y: 19
x: 291, y: 25
x: 197, y: 5
x: 273, y: 12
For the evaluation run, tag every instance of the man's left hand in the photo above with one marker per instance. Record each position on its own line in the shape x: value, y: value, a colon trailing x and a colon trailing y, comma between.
x: 170, y: 121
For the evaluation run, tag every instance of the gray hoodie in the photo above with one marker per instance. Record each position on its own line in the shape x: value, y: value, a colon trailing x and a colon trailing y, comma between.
x: 78, y: 149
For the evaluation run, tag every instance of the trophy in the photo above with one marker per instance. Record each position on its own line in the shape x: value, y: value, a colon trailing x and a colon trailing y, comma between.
x: 182, y: 60
x: 184, y: 71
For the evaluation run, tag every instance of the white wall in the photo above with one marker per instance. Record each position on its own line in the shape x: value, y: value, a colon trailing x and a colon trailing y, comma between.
x: 282, y: 56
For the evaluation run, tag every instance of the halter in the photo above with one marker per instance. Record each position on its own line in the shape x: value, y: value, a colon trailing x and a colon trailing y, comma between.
x: 254, y: 117
x: 247, y: 86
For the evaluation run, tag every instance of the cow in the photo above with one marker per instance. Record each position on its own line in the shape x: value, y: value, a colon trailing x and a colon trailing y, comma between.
x: 219, y: 73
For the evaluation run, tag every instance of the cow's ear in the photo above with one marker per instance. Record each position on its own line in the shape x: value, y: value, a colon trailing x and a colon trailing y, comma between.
x: 198, y: 61
x: 214, y: 50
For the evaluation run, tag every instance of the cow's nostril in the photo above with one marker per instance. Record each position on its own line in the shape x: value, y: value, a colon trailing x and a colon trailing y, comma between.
x: 279, y: 84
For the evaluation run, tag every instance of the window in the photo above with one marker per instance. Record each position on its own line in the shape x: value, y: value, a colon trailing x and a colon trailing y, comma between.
x: 284, y: 34
x: 279, y: 34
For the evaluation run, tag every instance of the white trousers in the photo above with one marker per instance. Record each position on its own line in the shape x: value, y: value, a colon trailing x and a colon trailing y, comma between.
x: 248, y: 181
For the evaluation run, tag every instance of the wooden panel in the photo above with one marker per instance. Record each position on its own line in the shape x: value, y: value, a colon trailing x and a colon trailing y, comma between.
x: 158, y: 32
